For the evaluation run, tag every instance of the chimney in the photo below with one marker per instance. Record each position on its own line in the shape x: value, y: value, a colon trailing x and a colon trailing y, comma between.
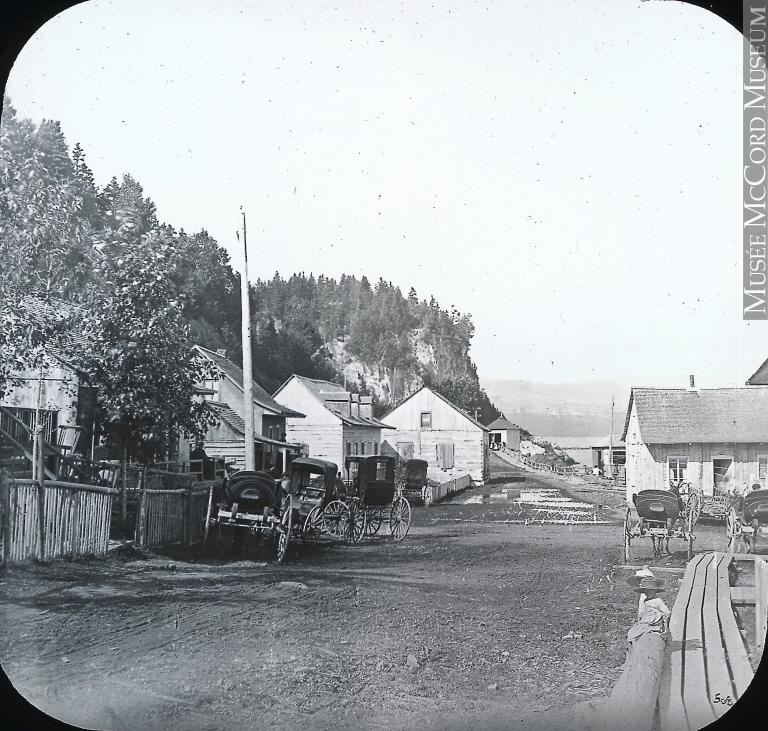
x: 366, y: 406
x: 692, y: 384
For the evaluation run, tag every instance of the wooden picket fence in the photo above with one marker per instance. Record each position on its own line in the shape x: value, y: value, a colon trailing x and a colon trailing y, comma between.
x: 168, y: 517
x: 52, y: 519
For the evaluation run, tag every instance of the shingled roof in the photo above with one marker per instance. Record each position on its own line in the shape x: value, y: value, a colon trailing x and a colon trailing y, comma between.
x: 500, y: 424
x: 330, y: 393
x: 760, y: 376
x: 680, y: 416
x: 235, y: 374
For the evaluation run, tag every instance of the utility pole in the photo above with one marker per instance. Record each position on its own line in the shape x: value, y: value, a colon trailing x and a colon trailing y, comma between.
x: 610, y: 440
x: 250, y: 447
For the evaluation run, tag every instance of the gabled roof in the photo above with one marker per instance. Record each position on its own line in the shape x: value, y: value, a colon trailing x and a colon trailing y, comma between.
x: 235, y: 374
x: 680, y: 416
x: 65, y: 340
x: 500, y: 424
x: 442, y: 398
x: 760, y: 376
x: 328, y: 393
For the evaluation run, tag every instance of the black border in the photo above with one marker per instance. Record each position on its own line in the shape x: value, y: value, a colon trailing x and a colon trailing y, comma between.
x: 19, y: 21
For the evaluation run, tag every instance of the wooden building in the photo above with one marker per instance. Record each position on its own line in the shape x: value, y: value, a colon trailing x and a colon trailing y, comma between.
x: 338, y: 423
x: 227, y: 439
x: 56, y: 393
x: 505, y: 432
x: 712, y: 438
x: 428, y: 426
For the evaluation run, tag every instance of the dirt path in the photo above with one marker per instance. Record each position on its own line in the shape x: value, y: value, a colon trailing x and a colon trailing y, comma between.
x: 503, y: 622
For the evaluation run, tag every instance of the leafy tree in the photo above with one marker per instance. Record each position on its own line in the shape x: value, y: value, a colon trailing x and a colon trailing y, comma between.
x: 44, y: 240
x: 139, y: 356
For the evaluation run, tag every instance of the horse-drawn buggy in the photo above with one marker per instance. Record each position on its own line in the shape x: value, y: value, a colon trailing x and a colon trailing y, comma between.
x: 413, y: 483
x: 745, y: 519
x: 371, y: 496
x: 255, y: 504
x: 252, y: 503
x: 661, y: 516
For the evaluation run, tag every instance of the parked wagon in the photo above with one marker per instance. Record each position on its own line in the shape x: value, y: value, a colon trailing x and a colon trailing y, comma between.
x: 254, y: 503
x: 312, y: 487
x: 413, y: 483
x: 746, y: 518
x: 660, y: 516
x: 371, y: 498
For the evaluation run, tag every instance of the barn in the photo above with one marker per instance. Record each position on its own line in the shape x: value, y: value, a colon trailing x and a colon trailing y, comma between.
x: 428, y: 426
x: 338, y: 423
x: 711, y: 438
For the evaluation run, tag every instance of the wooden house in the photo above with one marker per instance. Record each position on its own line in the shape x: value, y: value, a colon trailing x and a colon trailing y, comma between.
x: 428, y: 426
x: 56, y: 393
x: 337, y: 424
x: 712, y: 438
x: 506, y: 433
x: 224, y: 394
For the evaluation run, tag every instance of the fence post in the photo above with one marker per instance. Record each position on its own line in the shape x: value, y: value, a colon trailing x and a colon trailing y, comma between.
x: 141, y: 511
x: 124, y: 488
x: 5, y: 507
x: 40, y: 469
x: 75, y: 522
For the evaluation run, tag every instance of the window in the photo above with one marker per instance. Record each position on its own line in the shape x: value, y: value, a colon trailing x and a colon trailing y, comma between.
x: 362, y: 447
x: 375, y: 447
x: 762, y: 470
x: 356, y: 448
x: 678, y: 469
x: 349, y: 449
x: 426, y: 419
x: 444, y: 455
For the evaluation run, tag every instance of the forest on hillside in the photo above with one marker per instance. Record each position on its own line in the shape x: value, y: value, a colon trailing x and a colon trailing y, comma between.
x: 140, y: 293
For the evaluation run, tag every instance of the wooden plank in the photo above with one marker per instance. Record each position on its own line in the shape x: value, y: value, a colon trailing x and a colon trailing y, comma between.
x: 738, y: 660
x: 720, y: 689
x: 671, y: 708
x: 743, y: 594
x: 761, y: 605
x: 698, y: 709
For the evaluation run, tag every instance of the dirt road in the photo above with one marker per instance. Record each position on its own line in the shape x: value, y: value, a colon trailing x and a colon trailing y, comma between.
x: 467, y: 623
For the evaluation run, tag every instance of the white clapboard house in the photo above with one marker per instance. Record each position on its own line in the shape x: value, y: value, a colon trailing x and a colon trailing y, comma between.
x: 226, y: 439
x: 428, y: 426
x: 338, y: 423
x: 713, y: 438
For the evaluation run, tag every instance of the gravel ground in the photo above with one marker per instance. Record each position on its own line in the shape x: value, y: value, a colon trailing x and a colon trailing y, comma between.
x: 468, y: 623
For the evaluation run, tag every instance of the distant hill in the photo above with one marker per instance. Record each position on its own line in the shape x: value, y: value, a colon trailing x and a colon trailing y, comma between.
x: 578, y: 408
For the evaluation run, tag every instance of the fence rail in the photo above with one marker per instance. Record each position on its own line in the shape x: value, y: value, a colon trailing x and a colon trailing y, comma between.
x: 440, y: 492
x: 51, y: 519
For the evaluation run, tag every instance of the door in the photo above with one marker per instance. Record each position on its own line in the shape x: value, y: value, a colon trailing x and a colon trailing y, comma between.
x: 720, y: 466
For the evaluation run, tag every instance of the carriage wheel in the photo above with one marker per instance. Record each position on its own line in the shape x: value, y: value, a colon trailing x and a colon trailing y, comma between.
x: 426, y: 494
x: 355, y: 527
x: 313, y: 527
x: 335, y: 518
x: 627, y: 536
x: 400, y: 519
x: 284, y: 531
x: 693, y: 509
x: 373, y: 520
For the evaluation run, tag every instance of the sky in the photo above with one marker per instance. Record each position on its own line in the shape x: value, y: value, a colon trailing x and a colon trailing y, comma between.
x: 569, y: 173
